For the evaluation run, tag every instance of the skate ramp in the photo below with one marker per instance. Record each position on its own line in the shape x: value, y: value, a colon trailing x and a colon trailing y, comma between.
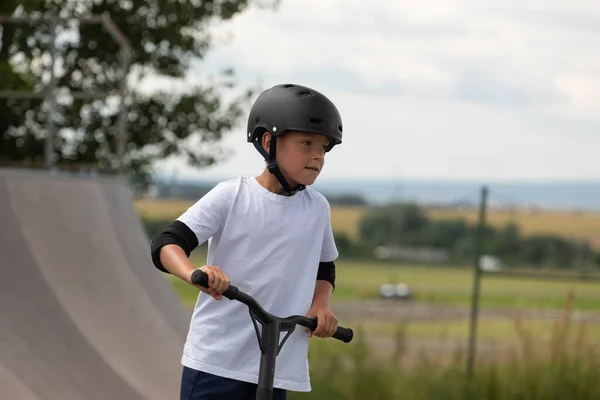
x: 83, y: 312
x: 12, y: 388
x: 135, y: 245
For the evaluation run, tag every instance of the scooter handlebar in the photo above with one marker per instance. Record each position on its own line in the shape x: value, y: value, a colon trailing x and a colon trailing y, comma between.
x: 200, y: 277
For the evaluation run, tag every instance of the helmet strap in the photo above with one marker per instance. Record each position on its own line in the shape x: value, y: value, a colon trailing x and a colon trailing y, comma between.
x: 273, y: 168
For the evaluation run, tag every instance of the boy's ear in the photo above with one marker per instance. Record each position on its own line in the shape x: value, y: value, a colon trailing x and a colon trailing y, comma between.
x: 266, y: 141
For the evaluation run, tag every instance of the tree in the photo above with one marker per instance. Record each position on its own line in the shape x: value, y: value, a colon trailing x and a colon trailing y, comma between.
x: 505, y: 242
x: 166, y: 36
x: 399, y: 224
x: 13, y: 140
x: 445, y: 233
x: 549, y: 251
x: 346, y: 200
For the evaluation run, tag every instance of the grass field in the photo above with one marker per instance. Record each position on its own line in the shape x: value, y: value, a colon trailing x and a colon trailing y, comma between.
x: 438, y: 314
x: 531, y: 336
x: 161, y: 209
x: 448, y: 286
x: 577, y: 225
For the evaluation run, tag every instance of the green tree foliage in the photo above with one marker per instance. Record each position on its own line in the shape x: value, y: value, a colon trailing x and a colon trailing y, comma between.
x: 408, y: 225
x: 347, y: 200
x: 394, y: 224
x: 445, y: 234
x: 166, y: 36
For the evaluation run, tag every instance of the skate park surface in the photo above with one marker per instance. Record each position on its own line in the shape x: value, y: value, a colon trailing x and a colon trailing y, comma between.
x: 83, y: 312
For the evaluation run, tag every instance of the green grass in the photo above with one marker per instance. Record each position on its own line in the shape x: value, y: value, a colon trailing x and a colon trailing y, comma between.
x: 497, y: 329
x: 554, y: 360
x: 453, y: 285
x: 448, y: 286
x: 505, y: 330
x: 187, y: 293
x: 542, y: 359
x: 562, y: 366
x: 445, y: 285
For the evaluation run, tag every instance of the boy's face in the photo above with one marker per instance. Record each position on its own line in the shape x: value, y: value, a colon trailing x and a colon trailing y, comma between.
x: 301, y: 156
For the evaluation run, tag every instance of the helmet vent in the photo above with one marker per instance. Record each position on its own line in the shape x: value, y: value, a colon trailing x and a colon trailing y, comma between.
x: 288, y: 85
x: 305, y: 93
x: 340, y: 128
x: 316, y: 121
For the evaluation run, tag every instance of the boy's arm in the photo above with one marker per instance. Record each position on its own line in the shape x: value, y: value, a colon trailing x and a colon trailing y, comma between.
x: 327, y: 322
x: 175, y: 244
x: 195, y: 226
x: 325, y: 283
x: 174, y: 259
x: 171, y: 249
x: 322, y: 296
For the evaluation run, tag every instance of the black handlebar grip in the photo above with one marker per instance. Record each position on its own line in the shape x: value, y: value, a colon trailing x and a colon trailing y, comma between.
x: 343, y: 334
x: 200, y: 277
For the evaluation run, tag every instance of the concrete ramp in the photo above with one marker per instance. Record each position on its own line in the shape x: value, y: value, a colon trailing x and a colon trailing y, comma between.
x: 135, y: 245
x: 83, y: 312
x: 13, y: 388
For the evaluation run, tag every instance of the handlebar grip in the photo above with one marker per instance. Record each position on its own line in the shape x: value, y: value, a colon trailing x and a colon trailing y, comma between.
x: 200, y: 277
x: 344, y: 334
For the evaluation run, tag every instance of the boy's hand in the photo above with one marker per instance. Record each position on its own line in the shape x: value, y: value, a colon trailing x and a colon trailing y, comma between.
x: 327, y: 322
x: 218, y: 282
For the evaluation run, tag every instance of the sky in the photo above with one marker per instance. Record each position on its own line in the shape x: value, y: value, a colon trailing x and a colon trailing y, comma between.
x: 498, y: 90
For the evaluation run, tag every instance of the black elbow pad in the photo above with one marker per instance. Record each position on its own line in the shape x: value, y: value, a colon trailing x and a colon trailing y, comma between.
x: 177, y: 233
x: 327, y: 272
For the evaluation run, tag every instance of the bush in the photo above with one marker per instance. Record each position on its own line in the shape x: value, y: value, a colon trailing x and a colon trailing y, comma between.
x: 349, y: 248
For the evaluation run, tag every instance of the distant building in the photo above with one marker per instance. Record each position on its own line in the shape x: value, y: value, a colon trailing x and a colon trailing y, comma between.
x: 490, y: 263
x: 406, y: 253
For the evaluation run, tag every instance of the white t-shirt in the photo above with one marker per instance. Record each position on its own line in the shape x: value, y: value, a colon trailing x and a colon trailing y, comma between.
x: 270, y: 247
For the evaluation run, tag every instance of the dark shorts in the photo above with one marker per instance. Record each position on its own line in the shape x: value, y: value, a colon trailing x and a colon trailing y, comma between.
x: 196, y: 385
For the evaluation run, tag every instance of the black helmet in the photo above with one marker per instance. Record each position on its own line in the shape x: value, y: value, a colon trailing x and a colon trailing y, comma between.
x: 289, y: 107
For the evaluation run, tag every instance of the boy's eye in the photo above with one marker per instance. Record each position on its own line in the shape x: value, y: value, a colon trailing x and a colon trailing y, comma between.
x: 310, y: 143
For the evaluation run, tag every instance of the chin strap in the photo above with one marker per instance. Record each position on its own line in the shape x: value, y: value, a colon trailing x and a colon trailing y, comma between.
x: 290, y: 192
x: 285, y: 189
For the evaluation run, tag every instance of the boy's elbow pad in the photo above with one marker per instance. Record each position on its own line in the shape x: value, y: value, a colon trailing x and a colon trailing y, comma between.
x: 327, y: 272
x: 177, y: 233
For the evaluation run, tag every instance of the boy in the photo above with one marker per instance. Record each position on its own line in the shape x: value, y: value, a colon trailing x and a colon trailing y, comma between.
x: 271, y: 236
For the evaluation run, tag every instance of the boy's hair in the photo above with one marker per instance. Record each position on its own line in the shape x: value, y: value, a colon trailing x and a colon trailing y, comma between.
x: 290, y: 107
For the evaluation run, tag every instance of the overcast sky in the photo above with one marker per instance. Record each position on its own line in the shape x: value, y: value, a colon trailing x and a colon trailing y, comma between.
x: 447, y: 89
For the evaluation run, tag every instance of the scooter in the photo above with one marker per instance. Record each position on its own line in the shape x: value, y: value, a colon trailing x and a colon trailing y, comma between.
x: 272, y: 327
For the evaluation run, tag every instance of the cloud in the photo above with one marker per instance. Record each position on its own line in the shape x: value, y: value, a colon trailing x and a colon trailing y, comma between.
x: 578, y: 17
x: 583, y: 93
x: 502, y: 88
